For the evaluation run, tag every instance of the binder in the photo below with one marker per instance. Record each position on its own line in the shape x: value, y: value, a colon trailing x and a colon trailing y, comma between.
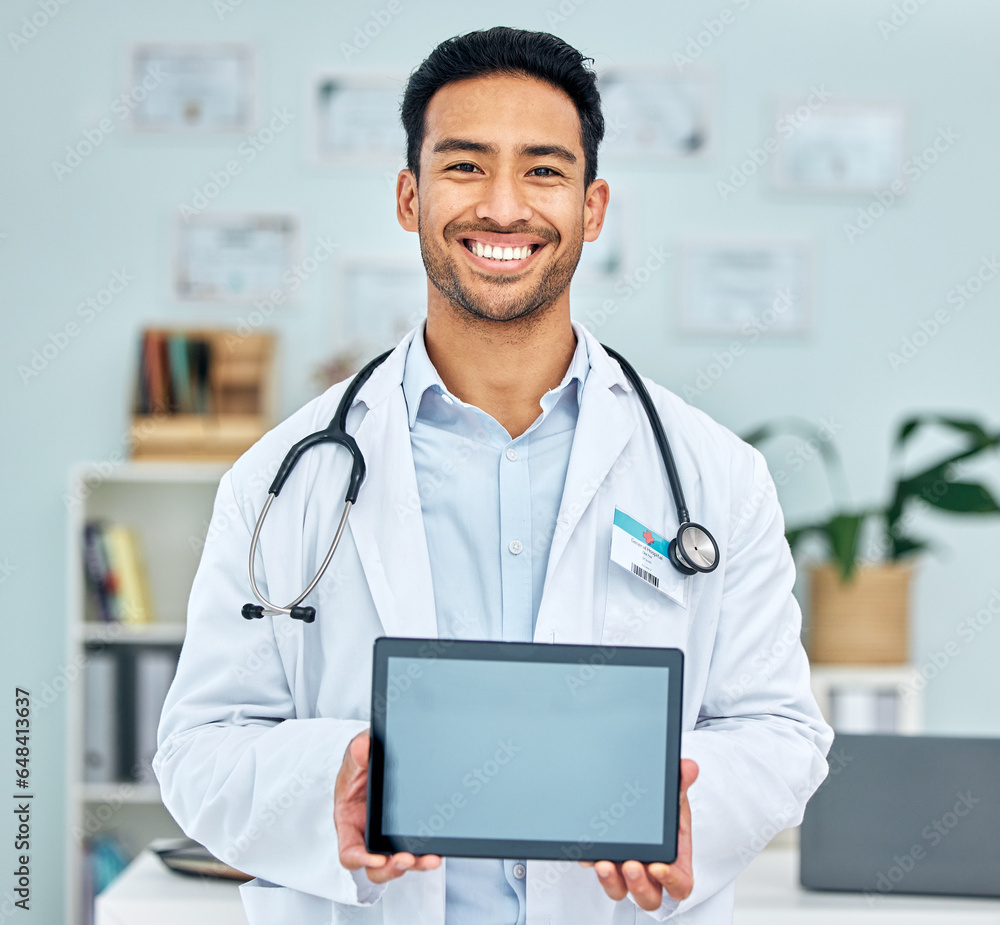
x: 100, y: 721
x: 154, y: 672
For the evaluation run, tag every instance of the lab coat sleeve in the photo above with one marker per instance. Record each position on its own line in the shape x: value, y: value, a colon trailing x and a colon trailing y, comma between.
x: 238, y: 770
x: 760, y: 741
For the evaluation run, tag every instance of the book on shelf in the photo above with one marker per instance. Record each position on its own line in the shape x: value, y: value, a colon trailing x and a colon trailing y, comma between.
x: 100, y: 719
x: 115, y: 571
x: 174, y: 373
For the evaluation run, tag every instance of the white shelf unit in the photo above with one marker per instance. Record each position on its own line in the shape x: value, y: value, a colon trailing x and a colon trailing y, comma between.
x: 169, y: 506
x: 902, y: 679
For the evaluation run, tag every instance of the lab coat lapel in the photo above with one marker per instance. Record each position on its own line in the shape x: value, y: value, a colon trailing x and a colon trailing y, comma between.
x: 603, y: 428
x: 386, y: 523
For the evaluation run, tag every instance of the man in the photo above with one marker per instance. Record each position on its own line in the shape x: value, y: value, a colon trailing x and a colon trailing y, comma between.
x: 500, y: 439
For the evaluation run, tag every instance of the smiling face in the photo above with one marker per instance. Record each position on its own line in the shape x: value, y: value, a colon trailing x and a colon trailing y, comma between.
x: 501, y: 208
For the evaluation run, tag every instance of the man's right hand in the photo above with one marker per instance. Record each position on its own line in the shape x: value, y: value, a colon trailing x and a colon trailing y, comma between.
x: 349, y: 813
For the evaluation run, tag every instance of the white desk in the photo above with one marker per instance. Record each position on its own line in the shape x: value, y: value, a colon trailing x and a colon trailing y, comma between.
x: 147, y: 893
x: 766, y: 894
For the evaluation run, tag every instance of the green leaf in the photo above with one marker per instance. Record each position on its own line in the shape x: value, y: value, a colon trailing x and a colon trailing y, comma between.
x: 904, y: 546
x: 963, y: 498
x: 981, y: 438
x: 843, y: 531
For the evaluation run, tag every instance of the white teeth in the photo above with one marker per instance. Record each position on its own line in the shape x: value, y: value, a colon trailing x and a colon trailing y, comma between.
x: 496, y: 252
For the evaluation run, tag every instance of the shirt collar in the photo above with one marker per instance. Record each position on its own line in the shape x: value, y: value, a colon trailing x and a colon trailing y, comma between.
x: 419, y: 375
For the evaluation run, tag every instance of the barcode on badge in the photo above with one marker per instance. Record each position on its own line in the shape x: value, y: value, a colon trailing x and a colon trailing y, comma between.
x: 646, y: 576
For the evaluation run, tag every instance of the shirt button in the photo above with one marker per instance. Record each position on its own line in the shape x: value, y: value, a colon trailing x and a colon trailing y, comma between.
x: 519, y: 871
x: 511, y: 454
x: 515, y: 546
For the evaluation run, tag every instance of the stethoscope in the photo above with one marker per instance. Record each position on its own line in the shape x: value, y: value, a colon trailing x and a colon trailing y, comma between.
x: 693, y: 549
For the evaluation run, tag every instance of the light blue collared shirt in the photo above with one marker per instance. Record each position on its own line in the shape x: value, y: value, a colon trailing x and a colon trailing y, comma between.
x: 489, y: 507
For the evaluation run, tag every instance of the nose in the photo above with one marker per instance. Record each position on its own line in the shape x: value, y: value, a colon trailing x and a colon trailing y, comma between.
x: 504, y: 201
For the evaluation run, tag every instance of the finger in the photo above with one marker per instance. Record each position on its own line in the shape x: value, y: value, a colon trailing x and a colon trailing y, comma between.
x: 358, y: 750
x: 394, y: 867
x: 689, y: 774
x: 647, y: 892
x: 677, y: 882
x: 611, y: 879
x: 427, y: 862
x: 354, y: 856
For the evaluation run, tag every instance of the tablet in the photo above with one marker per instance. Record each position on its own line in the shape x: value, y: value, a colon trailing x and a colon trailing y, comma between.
x: 521, y: 750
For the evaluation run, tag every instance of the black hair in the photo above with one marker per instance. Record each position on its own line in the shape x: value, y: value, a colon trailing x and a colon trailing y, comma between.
x: 514, y: 52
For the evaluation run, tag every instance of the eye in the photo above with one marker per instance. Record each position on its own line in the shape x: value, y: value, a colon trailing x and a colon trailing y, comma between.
x: 552, y: 172
x: 460, y: 167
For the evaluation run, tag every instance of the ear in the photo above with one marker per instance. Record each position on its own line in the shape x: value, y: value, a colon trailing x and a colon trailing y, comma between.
x: 407, y: 207
x: 595, y: 206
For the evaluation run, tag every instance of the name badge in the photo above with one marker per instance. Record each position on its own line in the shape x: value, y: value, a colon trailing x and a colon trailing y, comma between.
x: 641, y: 551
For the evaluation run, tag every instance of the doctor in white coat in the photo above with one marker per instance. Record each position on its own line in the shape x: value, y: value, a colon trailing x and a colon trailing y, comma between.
x: 262, y: 741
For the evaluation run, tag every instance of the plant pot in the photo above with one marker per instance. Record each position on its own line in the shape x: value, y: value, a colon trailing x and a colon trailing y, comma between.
x: 864, y: 621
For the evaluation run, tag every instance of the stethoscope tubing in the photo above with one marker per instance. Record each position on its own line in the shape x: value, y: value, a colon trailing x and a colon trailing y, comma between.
x: 687, y: 561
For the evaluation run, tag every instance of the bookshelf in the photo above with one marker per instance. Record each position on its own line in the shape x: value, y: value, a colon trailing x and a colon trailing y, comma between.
x: 168, y: 506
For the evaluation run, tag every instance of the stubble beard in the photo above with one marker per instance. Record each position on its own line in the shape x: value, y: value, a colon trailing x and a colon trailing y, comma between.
x: 498, y: 305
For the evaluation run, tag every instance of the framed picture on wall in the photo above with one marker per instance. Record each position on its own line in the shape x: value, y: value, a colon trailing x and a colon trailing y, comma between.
x: 234, y: 258
x: 382, y: 297
x: 355, y: 119
x: 655, y: 113
x: 745, y: 286
x: 607, y: 258
x: 191, y: 88
x: 839, y: 147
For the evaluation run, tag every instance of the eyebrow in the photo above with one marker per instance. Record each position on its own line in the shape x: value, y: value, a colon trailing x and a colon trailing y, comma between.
x: 464, y: 144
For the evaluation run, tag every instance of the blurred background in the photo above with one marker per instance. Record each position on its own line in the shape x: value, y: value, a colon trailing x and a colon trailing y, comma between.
x: 803, y: 225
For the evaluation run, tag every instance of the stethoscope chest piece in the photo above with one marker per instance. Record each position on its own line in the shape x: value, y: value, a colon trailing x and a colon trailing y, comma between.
x: 693, y: 550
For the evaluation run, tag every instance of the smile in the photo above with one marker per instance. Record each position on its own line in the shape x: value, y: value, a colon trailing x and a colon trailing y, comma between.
x: 500, y: 256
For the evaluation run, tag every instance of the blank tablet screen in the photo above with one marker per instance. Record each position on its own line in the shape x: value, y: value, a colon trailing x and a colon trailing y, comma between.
x: 575, y: 751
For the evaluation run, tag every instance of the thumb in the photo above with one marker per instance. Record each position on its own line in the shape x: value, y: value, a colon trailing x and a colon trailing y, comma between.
x: 357, y: 751
x: 689, y: 773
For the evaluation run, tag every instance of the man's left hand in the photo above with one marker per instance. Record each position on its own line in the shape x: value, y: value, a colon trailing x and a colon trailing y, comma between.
x: 646, y: 882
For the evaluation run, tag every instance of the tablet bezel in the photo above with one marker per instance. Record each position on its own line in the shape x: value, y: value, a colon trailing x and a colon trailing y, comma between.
x: 386, y: 647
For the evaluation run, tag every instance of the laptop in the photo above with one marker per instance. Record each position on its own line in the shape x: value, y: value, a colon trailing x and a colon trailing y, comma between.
x: 906, y: 814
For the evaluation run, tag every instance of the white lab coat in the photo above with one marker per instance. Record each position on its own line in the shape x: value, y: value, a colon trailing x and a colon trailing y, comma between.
x: 256, y: 723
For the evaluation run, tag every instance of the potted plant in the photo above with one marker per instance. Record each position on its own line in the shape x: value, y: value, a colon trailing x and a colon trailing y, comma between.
x: 859, y: 610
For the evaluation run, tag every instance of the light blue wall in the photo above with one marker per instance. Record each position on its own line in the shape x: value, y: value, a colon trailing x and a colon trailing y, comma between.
x: 62, y: 241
